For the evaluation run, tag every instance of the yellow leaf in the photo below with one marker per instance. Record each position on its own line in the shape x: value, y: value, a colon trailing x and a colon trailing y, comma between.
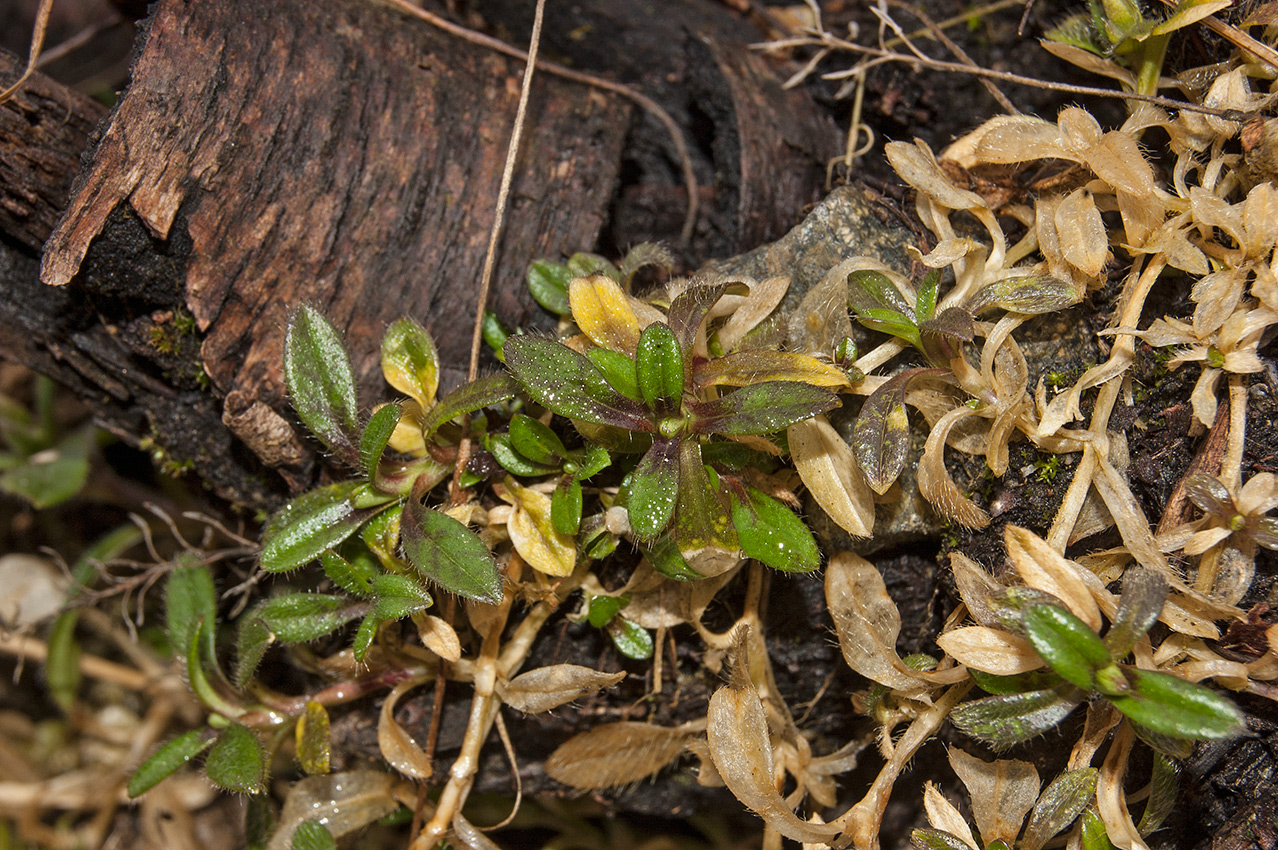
x: 312, y: 738
x: 754, y: 367
x: 825, y: 464
x: 603, y: 312
x: 533, y: 534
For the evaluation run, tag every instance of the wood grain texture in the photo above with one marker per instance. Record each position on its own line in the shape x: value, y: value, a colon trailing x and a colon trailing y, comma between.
x: 336, y: 154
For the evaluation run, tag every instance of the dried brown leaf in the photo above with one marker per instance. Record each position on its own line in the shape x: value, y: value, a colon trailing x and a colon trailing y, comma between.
x: 1002, y: 791
x: 990, y: 650
x: 824, y: 462
x: 866, y: 621
x: 550, y: 687
x: 397, y: 746
x: 343, y: 802
x: 943, y: 815
x: 615, y: 754
x: 439, y: 637
x: 1043, y: 568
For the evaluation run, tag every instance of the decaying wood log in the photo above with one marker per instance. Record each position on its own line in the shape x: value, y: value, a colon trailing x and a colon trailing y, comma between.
x: 274, y: 153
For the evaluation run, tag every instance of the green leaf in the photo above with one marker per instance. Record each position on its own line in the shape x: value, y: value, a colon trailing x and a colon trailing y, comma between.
x: 410, y: 362
x: 237, y: 761
x: 476, y: 395
x: 881, y: 434
x: 299, y: 617
x: 381, y: 536
x: 702, y: 518
x: 659, y: 367
x: 618, y: 370
x: 313, y: 835
x: 1093, y: 832
x: 495, y: 334
x: 62, y: 668
x: 377, y: 433
x: 666, y: 559
x: 925, y: 302
x: 631, y: 639
x: 1066, y: 643
x: 936, y: 839
x: 654, y: 489
x: 167, y: 759
x: 761, y: 408
x: 1060, y: 803
x: 891, y: 322
x: 583, y: 264
x: 565, y: 505
x: 1164, y: 785
x: 1171, y: 706
x: 354, y: 576
x: 502, y: 448
x: 320, y: 382
x: 1032, y: 295
x: 364, y: 637
x: 563, y: 381
x: 1035, y: 680
x: 603, y: 608
x: 252, y: 639
x: 189, y: 599
x: 1009, y: 719
x: 770, y: 532
x: 590, y: 460
x: 311, y: 523
x: 259, y: 823
x: 398, y: 596
x: 536, y: 441
x: 1144, y: 592
x: 52, y: 476
x: 449, y: 554
x: 548, y: 284
x: 870, y: 291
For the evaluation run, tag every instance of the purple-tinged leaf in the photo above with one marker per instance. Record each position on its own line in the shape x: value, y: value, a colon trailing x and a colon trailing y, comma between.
x: 1144, y: 592
x: 317, y: 371
x: 567, y: 383
x: 702, y: 519
x: 1209, y: 495
x: 869, y: 290
x: 654, y: 487
x: 449, y: 554
x: 881, y: 434
x: 760, y: 408
x: 942, y: 337
x: 689, y: 309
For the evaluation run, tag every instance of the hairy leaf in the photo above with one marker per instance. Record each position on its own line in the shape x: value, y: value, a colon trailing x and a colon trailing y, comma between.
x: 533, y: 534
x: 567, y: 383
x: 1031, y: 294
x: 990, y: 650
x: 237, y: 761
x: 690, y: 308
x: 320, y: 382
x: 1144, y: 592
x: 1066, y: 643
x: 252, y: 639
x: 377, y: 433
x: 1061, y: 802
x: 602, y: 311
x: 1171, y: 706
x: 1009, y: 719
x: 737, y: 732
x: 476, y: 395
x: 410, y: 362
x: 550, y: 687
x: 618, y: 370
x: 354, y: 576
x: 167, y: 759
x: 189, y: 599
x: 760, y: 408
x: 313, y: 835
x: 758, y: 365
x: 298, y: 617
x: 881, y: 434
x: 869, y: 291
x: 1002, y: 792
x: 615, y: 754
x: 866, y: 621
x: 397, y: 596
x: 770, y: 532
x: 449, y: 554
x: 659, y: 367
x: 826, y: 466
x: 654, y: 489
x: 937, y: 839
x: 308, y: 525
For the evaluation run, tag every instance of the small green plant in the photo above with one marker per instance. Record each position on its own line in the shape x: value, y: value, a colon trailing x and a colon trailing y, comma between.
x: 39, y: 464
x: 1165, y: 710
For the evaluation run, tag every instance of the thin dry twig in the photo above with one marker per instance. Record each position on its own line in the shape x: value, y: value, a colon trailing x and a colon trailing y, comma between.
x: 37, y: 42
